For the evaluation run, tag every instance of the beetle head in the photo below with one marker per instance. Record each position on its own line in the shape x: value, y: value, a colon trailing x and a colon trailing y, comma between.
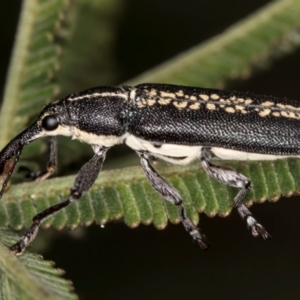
x: 51, y: 120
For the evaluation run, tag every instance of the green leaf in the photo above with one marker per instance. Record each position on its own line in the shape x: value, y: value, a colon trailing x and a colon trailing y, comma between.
x: 126, y: 194
x: 33, y: 64
x: 247, y: 46
x: 29, y: 277
x: 88, y: 58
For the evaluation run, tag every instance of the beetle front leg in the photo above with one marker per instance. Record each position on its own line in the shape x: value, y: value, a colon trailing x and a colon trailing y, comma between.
x: 52, y: 160
x: 235, y: 179
x: 84, y: 180
x: 170, y: 194
x: 51, y: 163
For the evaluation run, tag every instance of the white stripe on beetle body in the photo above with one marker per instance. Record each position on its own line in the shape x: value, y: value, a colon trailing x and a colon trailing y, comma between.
x: 182, y: 154
x: 167, y: 151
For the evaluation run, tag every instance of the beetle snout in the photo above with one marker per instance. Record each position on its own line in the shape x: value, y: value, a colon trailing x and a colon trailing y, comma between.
x: 16, y: 145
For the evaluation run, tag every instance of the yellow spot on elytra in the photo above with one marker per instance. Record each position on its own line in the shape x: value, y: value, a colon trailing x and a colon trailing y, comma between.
x: 179, y: 105
x: 241, y: 100
x: 241, y: 108
x: 180, y: 93
x: 233, y: 98
x: 204, y: 97
x: 289, y: 111
x: 210, y: 106
x: 292, y: 115
x: 230, y: 110
x: 193, y: 98
x: 264, y: 112
x: 276, y: 114
x: 140, y: 104
x: 164, y: 101
x: 284, y: 114
x: 195, y: 106
x: 293, y: 107
x: 225, y: 100
x: 214, y: 96
x: 288, y: 106
x: 150, y: 102
x: 153, y: 92
x: 267, y: 103
x: 167, y: 95
x: 248, y: 101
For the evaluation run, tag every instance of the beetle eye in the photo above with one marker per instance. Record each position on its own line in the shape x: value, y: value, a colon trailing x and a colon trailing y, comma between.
x: 50, y: 122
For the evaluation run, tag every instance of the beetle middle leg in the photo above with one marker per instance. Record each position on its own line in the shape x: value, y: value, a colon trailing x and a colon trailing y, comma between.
x: 235, y: 179
x: 170, y: 194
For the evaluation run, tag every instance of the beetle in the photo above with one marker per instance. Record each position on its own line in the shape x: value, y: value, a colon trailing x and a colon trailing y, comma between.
x: 174, y: 123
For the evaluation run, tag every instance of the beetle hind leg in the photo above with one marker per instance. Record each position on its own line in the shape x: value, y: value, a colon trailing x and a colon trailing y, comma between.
x: 235, y: 179
x: 170, y: 194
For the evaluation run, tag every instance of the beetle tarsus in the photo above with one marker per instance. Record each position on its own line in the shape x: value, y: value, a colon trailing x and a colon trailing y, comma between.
x: 19, y: 247
x: 199, y: 238
x: 258, y: 229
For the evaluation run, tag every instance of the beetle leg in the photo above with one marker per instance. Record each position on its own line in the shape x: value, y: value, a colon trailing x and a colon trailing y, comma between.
x: 170, y: 194
x: 235, y: 179
x: 52, y: 160
x: 84, y: 180
x: 51, y: 163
